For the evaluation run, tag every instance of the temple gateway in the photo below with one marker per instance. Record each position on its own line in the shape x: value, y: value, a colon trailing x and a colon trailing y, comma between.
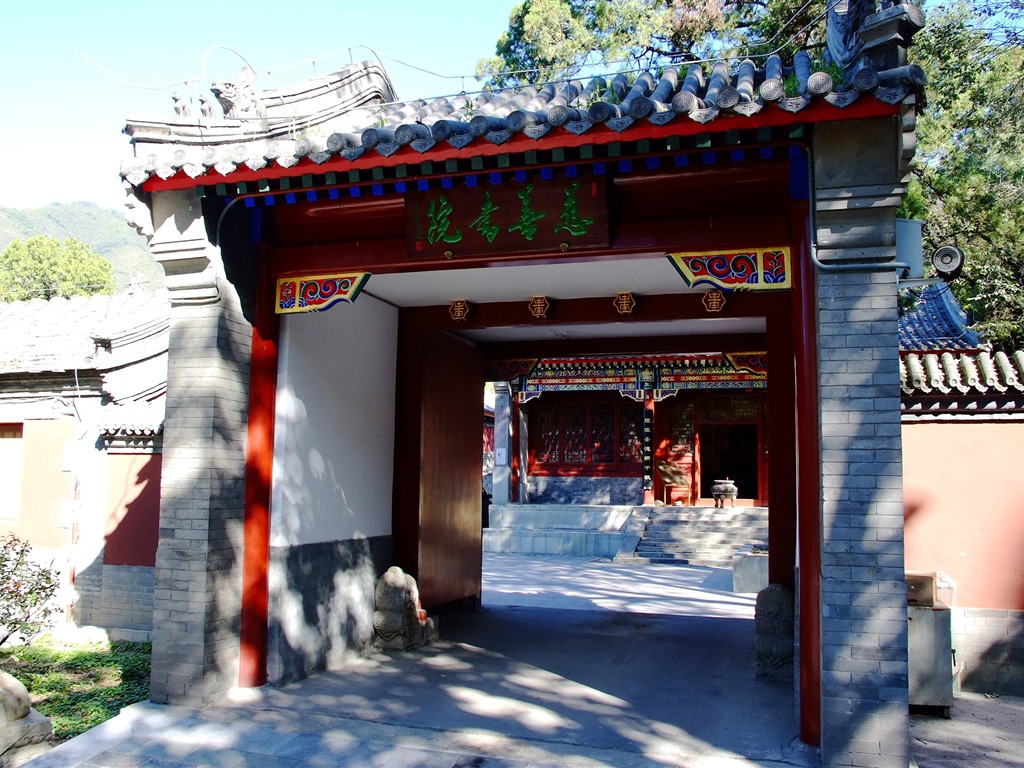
x: 672, y: 278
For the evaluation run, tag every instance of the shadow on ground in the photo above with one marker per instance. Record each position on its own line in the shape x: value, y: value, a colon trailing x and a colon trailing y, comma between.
x: 658, y: 686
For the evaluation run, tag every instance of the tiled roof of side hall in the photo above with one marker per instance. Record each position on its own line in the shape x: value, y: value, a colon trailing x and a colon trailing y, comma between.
x: 353, y: 114
x: 947, y: 371
x: 121, y: 339
x: 936, y: 323
x: 77, y: 333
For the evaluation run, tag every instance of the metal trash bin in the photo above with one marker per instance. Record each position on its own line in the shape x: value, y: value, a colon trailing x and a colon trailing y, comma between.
x: 930, y: 655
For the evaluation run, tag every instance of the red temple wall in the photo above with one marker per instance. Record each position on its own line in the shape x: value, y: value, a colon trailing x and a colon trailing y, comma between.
x: 964, y: 508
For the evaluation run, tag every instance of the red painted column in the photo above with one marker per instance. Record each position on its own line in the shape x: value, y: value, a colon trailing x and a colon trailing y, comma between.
x: 782, y: 450
x: 252, y: 667
x: 515, y: 468
x: 808, y: 483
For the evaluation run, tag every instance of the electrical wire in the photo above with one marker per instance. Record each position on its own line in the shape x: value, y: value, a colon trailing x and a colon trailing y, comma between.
x: 667, y: 59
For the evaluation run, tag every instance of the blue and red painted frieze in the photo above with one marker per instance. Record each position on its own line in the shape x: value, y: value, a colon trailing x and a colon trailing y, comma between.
x: 756, y: 269
x: 658, y: 376
x: 317, y: 293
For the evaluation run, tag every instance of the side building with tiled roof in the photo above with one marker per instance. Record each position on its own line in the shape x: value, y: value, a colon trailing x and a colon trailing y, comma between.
x: 963, y: 435
x: 82, y: 385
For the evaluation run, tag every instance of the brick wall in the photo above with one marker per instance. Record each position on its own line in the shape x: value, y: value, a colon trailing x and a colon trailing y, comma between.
x: 197, y: 591
x: 197, y: 581
x: 990, y: 650
x: 858, y: 168
x: 863, y: 610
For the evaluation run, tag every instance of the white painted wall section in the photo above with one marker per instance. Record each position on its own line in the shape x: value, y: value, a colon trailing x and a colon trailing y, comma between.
x: 335, y: 424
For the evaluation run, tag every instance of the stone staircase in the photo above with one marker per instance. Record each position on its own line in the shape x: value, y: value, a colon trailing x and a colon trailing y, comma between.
x: 698, y: 535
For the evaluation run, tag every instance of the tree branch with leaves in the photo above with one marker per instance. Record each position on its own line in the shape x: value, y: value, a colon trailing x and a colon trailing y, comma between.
x: 549, y: 40
x: 44, y: 268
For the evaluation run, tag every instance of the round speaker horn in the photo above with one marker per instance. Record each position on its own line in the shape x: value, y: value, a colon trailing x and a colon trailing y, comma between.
x: 948, y: 260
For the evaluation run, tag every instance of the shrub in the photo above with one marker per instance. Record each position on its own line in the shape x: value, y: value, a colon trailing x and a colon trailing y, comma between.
x: 27, y: 589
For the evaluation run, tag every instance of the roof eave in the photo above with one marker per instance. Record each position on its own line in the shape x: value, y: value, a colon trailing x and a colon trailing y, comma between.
x: 817, y: 112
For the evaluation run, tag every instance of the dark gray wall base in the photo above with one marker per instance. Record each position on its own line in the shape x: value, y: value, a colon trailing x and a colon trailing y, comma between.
x: 990, y: 650
x: 321, y: 604
x: 586, y: 490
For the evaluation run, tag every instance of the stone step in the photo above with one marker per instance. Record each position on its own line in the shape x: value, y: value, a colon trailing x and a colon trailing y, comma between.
x: 706, y: 509
x: 710, y: 519
x: 715, y: 540
x: 755, y: 525
x: 705, y: 562
x: 703, y: 529
x: 710, y: 548
x: 704, y: 548
x: 695, y: 531
x: 705, y: 536
x: 719, y: 552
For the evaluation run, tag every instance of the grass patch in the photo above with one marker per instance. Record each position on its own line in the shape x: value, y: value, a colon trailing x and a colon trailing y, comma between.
x: 80, y: 685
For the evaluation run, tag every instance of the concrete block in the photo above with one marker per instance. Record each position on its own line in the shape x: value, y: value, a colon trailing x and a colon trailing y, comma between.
x: 749, y: 573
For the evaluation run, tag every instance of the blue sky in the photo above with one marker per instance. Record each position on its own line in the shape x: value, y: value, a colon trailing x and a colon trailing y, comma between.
x: 61, y: 115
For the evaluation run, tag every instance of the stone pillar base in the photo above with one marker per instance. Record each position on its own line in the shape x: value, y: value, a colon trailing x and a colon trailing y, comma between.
x: 24, y: 739
x: 773, y: 633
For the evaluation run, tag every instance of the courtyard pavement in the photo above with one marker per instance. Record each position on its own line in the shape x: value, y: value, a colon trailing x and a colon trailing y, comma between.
x: 572, y: 663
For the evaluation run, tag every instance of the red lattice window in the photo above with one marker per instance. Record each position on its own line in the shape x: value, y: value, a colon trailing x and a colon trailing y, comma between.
x: 680, y: 429
x: 597, y: 436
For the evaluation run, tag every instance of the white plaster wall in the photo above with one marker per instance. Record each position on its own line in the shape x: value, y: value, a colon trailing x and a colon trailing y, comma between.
x: 335, y: 424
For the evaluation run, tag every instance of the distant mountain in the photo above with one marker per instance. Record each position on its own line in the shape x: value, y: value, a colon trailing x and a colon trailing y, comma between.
x: 104, y: 229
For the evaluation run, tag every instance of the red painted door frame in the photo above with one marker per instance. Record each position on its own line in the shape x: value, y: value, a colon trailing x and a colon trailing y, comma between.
x: 808, y: 481
x: 263, y: 380
x: 259, y: 461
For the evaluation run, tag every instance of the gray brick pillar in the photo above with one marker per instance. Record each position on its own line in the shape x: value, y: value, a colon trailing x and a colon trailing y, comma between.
x: 864, y: 710
x: 197, y: 589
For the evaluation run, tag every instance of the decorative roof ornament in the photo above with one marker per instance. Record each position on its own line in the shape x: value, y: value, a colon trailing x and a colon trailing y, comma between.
x: 239, y: 99
x: 180, y: 105
x: 845, y: 18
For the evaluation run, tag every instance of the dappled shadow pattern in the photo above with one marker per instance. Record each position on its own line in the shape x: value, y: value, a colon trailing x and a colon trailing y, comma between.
x: 657, y: 686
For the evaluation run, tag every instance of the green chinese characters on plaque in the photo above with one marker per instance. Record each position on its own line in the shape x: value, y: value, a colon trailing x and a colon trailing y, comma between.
x: 558, y: 214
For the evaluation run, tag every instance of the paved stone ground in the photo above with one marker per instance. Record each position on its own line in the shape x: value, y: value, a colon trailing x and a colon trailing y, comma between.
x: 574, y: 663
x: 983, y: 731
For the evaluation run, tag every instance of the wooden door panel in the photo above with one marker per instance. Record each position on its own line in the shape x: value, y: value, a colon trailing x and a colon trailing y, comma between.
x: 450, y: 471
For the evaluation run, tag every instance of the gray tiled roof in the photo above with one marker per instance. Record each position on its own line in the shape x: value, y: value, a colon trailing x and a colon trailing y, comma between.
x: 312, y: 125
x: 962, y: 373
x: 962, y: 385
x: 133, y: 419
x: 60, y: 334
x: 936, y: 322
x: 123, y: 338
x: 945, y: 367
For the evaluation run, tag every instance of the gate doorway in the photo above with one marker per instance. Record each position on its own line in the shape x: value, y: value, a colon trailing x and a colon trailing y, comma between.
x: 437, y: 323
x: 728, y: 451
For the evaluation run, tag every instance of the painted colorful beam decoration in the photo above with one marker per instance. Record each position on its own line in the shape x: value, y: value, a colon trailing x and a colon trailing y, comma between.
x: 756, y: 269
x: 317, y: 293
x: 656, y: 375
x: 749, y: 362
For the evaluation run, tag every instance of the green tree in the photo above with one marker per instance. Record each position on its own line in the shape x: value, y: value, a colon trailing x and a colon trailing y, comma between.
x: 968, y: 182
x: 551, y: 39
x: 43, y: 268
